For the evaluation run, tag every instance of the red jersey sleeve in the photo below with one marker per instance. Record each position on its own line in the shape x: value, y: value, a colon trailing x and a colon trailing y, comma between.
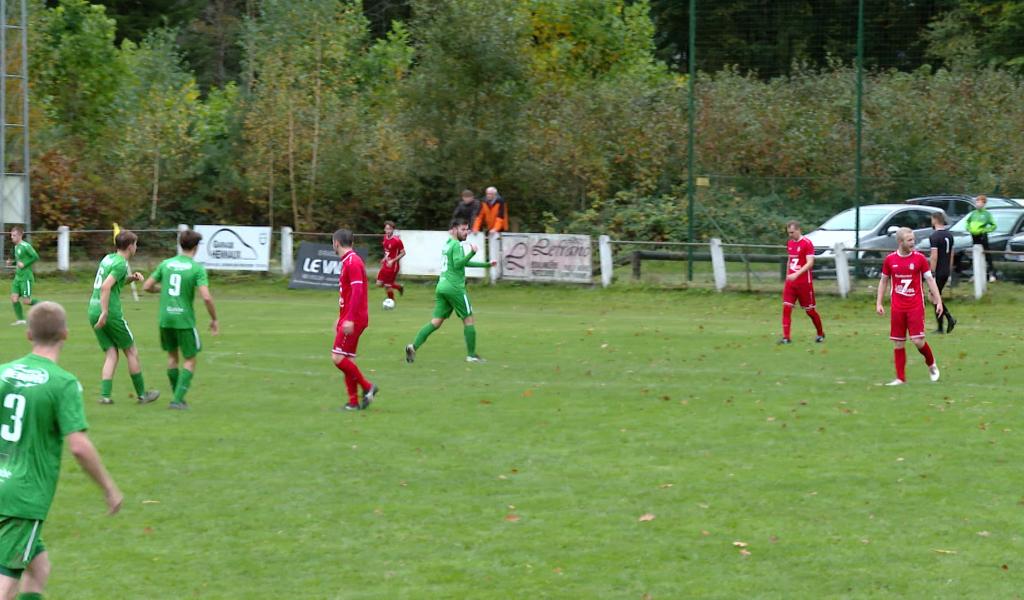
x: 924, y: 264
x: 887, y: 266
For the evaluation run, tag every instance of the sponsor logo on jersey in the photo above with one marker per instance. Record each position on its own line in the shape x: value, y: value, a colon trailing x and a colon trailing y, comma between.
x: 5, y: 474
x: 179, y: 266
x: 21, y: 376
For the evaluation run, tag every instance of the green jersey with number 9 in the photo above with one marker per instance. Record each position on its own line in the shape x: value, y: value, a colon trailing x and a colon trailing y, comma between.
x: 179, y: 277
x: 40, y: 403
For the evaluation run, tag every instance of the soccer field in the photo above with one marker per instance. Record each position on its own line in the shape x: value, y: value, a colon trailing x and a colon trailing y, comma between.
x: 623, y: 443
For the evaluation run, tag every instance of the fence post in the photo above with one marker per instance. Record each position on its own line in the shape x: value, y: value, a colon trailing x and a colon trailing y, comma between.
x: 181, y: 227
x: 287, y: 256
x: 980, y: 270
x: 604, y: 249
x: 63, y: 248
x: 842, y: 269
x: 494, y: 255
x: 718, y: 263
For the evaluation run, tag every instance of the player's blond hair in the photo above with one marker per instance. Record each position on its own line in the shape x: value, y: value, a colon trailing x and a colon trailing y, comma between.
x: 47, y: 324
x: 902, y: 231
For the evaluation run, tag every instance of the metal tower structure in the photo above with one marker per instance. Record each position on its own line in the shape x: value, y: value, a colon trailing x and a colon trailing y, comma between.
x: 14, y: 133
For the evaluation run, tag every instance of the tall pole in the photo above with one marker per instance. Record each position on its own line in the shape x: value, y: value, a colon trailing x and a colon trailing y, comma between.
x: 692, y: 55
x: 858, y: 126
x: 26, y: 178
x: 3, y: 119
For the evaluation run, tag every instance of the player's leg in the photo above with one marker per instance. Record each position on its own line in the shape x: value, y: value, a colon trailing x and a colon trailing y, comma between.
x: 898, y: 335
x: 915, y: 326
x: 33, y: 580
x: 190, y: 345
x: 169, y: 344
x: 788, y: 299
x: 110, y: 358
x: 464, y: 310
x: 8, y: 584
x: 806, y: 296
x: 950, y: 321
x: 20, y: 548
x: 19, y: 312
x: 442, y: 310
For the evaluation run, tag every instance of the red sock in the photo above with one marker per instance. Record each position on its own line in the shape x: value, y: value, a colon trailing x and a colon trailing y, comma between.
x: 391, y: 291
x: 787, y: 319
x: 401, y: 290
x: 350, y: 384
x: 816, y: 319
x: 900, y: 358
x: 351, y: 370
x: 926, y: 352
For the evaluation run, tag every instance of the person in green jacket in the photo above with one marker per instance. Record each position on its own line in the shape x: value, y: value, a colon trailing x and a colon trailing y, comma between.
x: 450, y: 294
x: 980, y: 223
x: 21, y: 288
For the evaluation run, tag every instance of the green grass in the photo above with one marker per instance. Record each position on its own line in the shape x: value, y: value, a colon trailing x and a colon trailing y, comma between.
x: 526, y: 477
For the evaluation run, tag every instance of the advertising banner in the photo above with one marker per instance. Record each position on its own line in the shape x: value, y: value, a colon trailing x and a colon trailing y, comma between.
x: 234, y: 248
x: 423, y: 250
x: 318, y: 267
x: 546, y: 257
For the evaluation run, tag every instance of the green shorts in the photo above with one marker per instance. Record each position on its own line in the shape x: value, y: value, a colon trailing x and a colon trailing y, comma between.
x: 22, y: 286
x: 114, y: 334
x: 185, y: 340
x: 20, y: 542
x: 445, y: 302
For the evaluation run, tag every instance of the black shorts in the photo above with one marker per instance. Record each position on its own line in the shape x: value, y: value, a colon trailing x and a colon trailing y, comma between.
x: 941, y: 279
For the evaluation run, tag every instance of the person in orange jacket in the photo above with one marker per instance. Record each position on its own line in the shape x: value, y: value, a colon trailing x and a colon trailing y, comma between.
x: 493, y: 215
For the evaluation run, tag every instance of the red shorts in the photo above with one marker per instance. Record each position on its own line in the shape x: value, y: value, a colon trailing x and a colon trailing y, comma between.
x: 906, y: 322
x: 346, y: 345
x: 387, y: 275
x: 802, y: 292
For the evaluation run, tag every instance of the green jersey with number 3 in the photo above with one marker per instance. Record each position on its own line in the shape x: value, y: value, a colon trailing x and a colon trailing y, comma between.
x: 112, y: 265
x: 40, y: 403
x: 179, y: 278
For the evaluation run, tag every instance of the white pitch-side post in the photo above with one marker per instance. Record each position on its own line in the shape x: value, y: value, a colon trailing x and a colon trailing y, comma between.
x: 980, y: 271
x: 718, y: 264
x: 842, y: 269
x: 287, y: 256
x: 494, y: 255
x: 604, y: 249
x: 181, y: 227
x: 63, y: 248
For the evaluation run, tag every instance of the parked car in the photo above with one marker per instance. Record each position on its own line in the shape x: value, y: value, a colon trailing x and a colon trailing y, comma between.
x: 957, y: 206
x: 878, y: 223
x: 1016, y: 244
x: 1009, y: 223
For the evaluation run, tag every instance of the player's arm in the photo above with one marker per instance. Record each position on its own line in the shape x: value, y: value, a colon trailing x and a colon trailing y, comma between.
x: 204, y: 293
x: 89, y: 459
x: 30, y: 256
x: 933, y: 289
x: 883, y: 285
x: 933, y: 258
x: 152, y: 284
x: 108, y: 284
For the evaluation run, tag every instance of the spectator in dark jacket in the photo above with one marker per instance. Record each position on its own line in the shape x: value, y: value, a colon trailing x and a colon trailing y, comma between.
x: 467, y: 208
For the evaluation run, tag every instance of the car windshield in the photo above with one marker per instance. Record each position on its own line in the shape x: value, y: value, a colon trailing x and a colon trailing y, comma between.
x: 846, y: 220
x: 1005, y: 219
x: 999, y: 202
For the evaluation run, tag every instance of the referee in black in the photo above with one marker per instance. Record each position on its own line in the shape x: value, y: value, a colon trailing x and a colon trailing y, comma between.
x: 942, y: 265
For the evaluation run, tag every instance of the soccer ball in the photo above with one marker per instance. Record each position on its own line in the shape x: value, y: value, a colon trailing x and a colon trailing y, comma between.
x: 388, y: 304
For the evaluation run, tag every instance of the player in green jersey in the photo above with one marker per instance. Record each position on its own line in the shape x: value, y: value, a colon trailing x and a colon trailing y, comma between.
x: 24, y: 278
x: 450, y: 293
x: 181, y: 277
x: 40, y: 407
x: 109, y: 324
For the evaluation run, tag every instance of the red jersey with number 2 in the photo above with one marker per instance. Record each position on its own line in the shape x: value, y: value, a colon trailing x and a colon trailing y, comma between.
x: 352, y: 289
x: 798, y: 251
x: 907, y: 274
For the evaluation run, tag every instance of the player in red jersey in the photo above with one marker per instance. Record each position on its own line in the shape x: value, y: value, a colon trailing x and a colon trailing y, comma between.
x: 353, y: 319
x: 906, y: 271
x: 799, y: 286
x: 394, y: 250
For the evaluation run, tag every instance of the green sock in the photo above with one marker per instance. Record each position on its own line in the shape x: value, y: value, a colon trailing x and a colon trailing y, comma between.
x: 139, y: 383
x: 184, y: 381
x: 19, y: 312
x: 422, y: 336
x: 470, y: 332
x: 106, y: 387
x: 34, y: 302
x: 30, y: 596
x: 172, y: 376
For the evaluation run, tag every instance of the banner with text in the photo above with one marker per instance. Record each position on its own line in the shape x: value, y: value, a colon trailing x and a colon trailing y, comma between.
x: 318, y: 267
x: 423, y: 251
x: 546, y: 257
x: 234, y: 248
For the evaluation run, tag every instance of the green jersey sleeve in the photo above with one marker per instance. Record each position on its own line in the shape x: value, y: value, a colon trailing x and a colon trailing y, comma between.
x: 27, y: 255
x: 70, y: 410
x: 119, y: 271
x: 201, y: 276
x: 158, y: 273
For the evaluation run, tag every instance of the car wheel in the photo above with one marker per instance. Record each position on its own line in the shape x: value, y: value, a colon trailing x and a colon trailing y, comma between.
x: 873, y: 270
